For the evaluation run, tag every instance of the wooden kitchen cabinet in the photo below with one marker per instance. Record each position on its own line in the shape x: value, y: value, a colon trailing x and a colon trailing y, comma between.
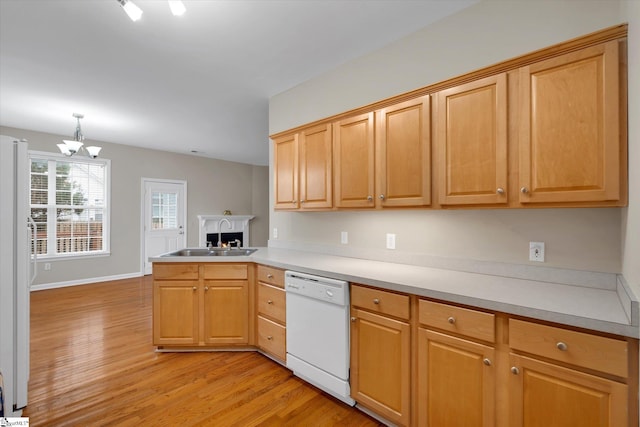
x: 570, y: 118
x: 205, y: 304
x: 381, y: 353
x: 354, y: 162
x: 471, y: 142
x: 403, y: 154
x: 456, y: 374
x: 303, y: 165
x: 271, y: 307
x: 578, y: 389
x: 285, y: 166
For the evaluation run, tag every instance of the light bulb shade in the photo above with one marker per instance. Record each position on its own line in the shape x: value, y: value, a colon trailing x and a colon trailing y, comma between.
x: 177, y: 7
x: 72, y: 146
x: 132, y: 10
x: 64, y: 149
x: 93, y: 151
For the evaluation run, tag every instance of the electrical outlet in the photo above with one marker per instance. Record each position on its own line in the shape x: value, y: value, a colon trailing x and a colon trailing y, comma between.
x: 536, y: 251
x: 47, y: 266
x: 275, y: 233
x: 391, y: 241
x: 344, y: 237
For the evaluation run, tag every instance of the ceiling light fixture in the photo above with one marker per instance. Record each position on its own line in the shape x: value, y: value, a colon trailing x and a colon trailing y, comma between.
x: 132, y: 10
x: 177, y: 7
x: 71, y: 147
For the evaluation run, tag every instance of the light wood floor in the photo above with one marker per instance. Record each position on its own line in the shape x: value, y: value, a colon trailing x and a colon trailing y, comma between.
x: 92, y: 364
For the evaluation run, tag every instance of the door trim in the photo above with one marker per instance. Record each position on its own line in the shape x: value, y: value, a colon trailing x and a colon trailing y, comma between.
x: 144, y: 181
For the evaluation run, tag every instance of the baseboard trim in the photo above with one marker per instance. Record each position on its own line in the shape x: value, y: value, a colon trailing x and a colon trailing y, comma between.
x: 53, y: 285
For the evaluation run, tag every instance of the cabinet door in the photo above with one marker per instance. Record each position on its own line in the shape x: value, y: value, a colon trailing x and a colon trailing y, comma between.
x: 175, y: 312
x: 456, y: 382
x: 285, y: 179
x: 569, y: 121
x: 316, y: 161
x: 380, y: 365
x: 226, y: 312
x: 404, y: 154
x: 471, y: 141
x: 546, y: 395
x: 353, y: 150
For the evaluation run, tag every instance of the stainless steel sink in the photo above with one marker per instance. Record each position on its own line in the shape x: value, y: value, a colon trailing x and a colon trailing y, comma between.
x: 211, y: 252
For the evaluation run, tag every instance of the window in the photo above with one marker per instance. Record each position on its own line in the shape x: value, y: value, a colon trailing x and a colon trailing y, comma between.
x: 164, y: 208
x: 70, y: 205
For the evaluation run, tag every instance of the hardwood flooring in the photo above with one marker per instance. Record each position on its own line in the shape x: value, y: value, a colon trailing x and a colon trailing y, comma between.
x: 92, y: 364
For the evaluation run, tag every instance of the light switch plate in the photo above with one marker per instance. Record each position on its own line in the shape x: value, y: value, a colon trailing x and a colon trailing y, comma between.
x: 344, y: 237
x: 275, y: 233
x: 391, y: 241
x: 536, y: 251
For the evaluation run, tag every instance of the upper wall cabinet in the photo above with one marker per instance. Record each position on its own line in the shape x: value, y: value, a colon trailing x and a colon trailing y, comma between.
x: 303, y: 169
x: 403, y: 154
x: 471, y: 142
x: 354, y: 161
x: 285, y: 166
x: 570, y: 144
x: 315, y: 161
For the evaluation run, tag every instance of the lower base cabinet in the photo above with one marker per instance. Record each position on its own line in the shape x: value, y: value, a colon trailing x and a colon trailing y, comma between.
x: 456, y: 381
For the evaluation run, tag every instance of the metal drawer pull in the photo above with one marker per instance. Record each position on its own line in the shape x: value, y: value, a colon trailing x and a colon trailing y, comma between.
x: 206, y: 288
x: 500, y: 190
x: 269, y: 337
x: 524, y: 190
x: 487, y: 362
x: 381, y: 197
x: 195, y: 288
x: 562, y: 346
x: 451, y: 320
x: 376, y: 301
x: 369, y: 198
x: 269, y: 301
x: 353, y: 319
x: 514, y: 370
x: 269, y: 276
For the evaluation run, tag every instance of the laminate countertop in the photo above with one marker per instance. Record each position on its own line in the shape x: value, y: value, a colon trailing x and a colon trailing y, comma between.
x: 611, y: 309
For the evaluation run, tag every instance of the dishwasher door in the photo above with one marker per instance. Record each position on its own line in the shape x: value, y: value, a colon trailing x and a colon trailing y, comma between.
x: 318, y: 332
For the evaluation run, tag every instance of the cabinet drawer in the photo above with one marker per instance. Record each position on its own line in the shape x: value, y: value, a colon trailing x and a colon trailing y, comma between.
x: 471, y: 323
x: 272, y: 338
x: 380, y: 301
x: 273, y: 276
x: 225, y: 271
x: 272, y: 302
x: 577, y: 348
x: 175, y: 271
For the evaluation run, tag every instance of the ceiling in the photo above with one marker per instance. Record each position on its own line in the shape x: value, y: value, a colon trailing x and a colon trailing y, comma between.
x: 196, y: 84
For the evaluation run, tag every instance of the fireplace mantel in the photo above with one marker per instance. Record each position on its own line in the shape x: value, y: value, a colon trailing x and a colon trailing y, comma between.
x: 210, y: 223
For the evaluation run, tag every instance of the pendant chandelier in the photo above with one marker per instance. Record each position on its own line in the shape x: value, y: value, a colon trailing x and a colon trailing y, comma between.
x: 70, y: 147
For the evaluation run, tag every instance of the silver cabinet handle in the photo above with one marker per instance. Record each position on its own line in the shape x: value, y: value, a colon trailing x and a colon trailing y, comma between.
x: 562, y: 346
x: 269, y: 337
x: 269, y: 302
x: 500, y: 190
x: 294, y: 201
x: 487, y: 362
x: 514, y: 370
x: 369, y: 198
x: 353, y: 319
x: 195, y: 288
x: 451, y: 320
x: 206, y: 288
x: 302, y: 201
x: 376, y: 301
x: 381, y: 197
x: 269, y: 276
x: 524, y: 190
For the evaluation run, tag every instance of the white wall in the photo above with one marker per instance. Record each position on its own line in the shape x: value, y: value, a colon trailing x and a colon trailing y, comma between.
x: 212, y: 185
x: 486, y: 33
x: 631, y: 215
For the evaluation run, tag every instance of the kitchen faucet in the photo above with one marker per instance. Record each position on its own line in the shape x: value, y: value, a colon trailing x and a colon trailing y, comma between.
x: 220, y: 230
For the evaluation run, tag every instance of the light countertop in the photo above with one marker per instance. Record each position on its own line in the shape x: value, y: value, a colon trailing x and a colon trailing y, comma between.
x: 601, y: 309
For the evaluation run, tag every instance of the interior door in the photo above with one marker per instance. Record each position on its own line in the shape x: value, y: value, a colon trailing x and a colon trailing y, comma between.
x: 164, y: 218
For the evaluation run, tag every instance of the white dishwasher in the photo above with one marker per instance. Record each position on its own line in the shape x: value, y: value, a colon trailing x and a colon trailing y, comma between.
x: 318, y: 332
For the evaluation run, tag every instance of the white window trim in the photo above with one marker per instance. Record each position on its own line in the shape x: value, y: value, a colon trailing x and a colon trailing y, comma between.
x: 107, y: 211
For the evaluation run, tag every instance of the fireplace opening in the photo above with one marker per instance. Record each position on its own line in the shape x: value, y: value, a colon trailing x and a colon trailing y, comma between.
x: 226, y: 238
